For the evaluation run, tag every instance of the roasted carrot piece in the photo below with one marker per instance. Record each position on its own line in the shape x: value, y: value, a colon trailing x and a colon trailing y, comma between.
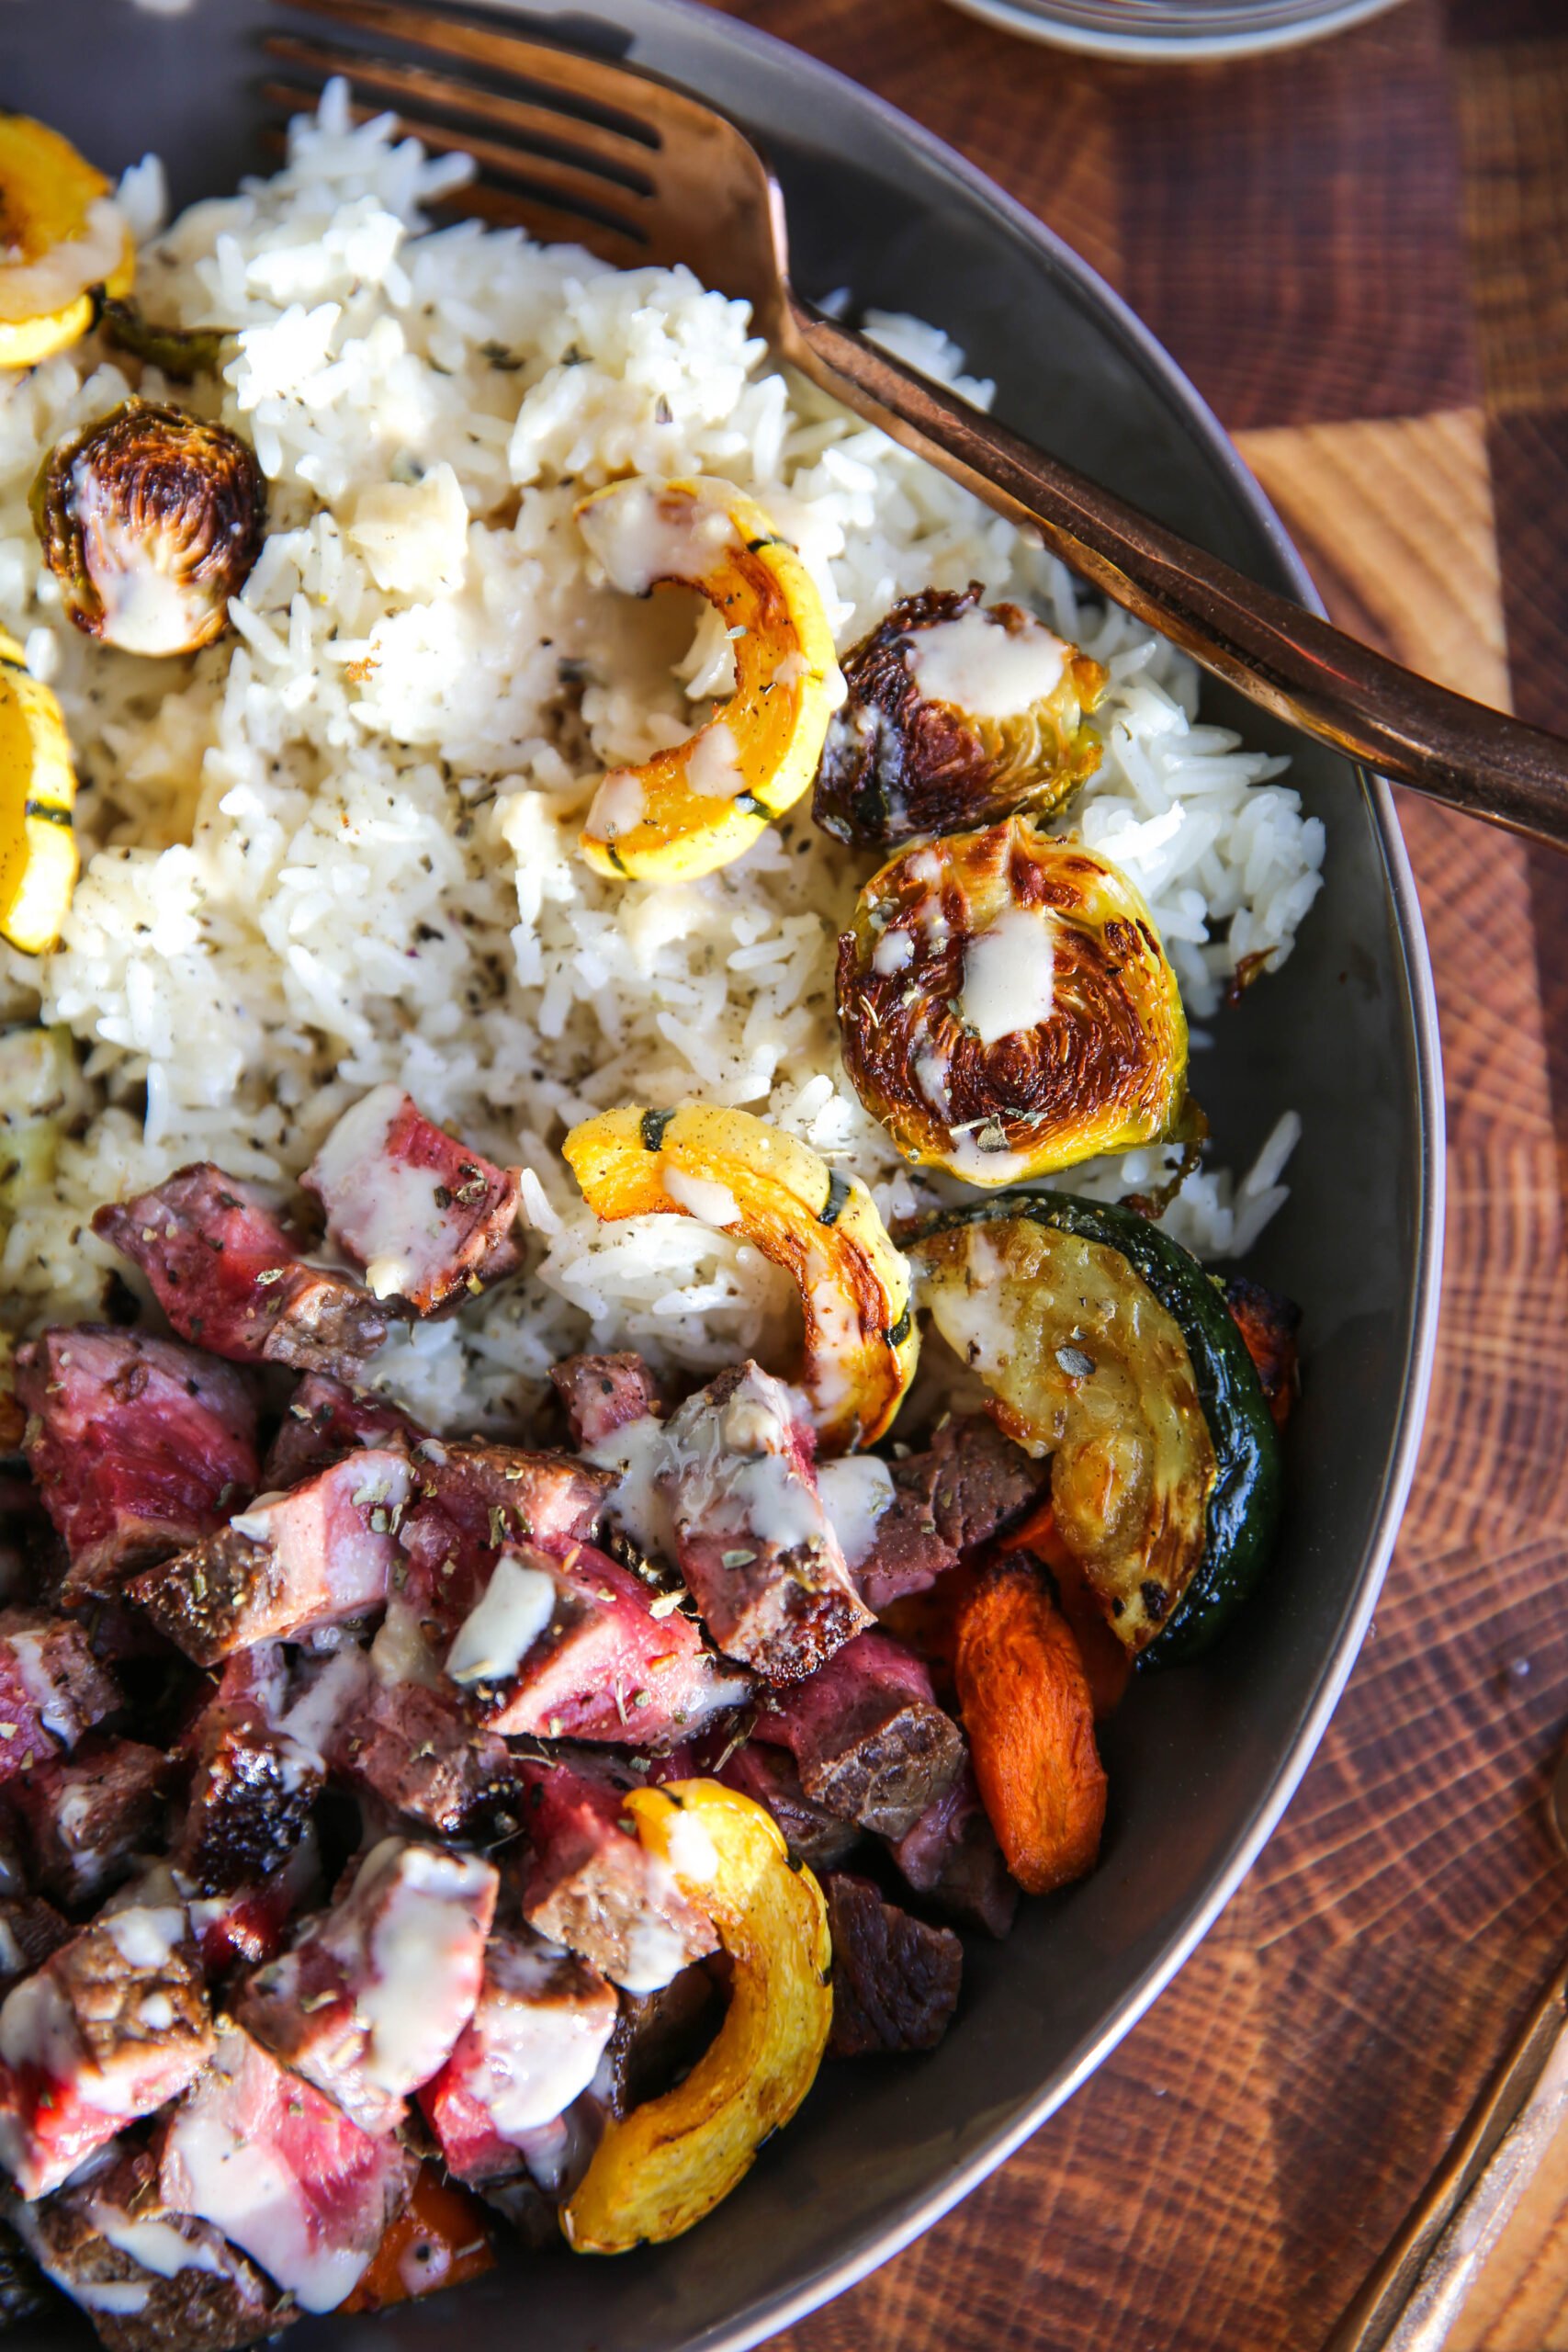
x: 438, y: 2240
x: 1107, y: 1662
x: 1026, y: 1707
x: 1268, y: 1323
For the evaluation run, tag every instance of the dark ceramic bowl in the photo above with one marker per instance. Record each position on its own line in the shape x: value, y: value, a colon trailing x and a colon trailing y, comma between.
x: 1202, y: 1760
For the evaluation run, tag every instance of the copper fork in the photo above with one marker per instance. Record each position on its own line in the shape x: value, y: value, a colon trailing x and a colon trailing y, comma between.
x: 574, y: 147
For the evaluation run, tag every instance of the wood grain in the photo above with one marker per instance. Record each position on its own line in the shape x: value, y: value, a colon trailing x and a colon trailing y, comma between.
x: 1333, y: 243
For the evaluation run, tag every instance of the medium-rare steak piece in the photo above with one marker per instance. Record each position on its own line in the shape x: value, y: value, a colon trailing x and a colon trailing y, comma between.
x: 253, y: 1785
x: 571, y: 1648
x: 372, y: 1998
x: 604, y: 1394
x: 751, y: 1537
x: 140, y: 1446
x: 150, y: 2280
x: 660, y: 2036
x: 896, y: 1981
x: 228, y: 1274
x: 283, y: 2173
x: 950, y: 1856
x: 31, y: 1929
x: 532, y: 2046
x: 311, y: 1557
x: 85, y: 1816
x: 52, y: 1688
x: 407, y: 1740
x: 593, y: 1888
x: 970, y: 1483
x: 867, y: 1735
x: 430, y: 1221
x: 325, y: 1420
x: 768, y: 1775
x: 471, y: 1500
x: 244, y: 1926
x: 111, y: 2025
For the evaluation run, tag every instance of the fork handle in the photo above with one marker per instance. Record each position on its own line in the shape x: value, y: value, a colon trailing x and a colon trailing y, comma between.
x: 1269, y: 649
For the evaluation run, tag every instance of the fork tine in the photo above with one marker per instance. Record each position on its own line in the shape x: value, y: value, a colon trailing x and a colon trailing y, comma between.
x: 553, y: 71
x: 566, y: 139
x: 551, y: 199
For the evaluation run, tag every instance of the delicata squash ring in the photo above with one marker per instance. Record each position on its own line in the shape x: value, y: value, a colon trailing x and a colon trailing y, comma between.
x: 39, y: 861
x: 659, y: 2169
x: 703, y: 802
x: 60, y: 239
x: 740, y: 1175
x: 1006, y: 1007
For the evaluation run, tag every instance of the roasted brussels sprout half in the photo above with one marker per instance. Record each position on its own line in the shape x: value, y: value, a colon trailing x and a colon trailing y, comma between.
x: 1107, y: 1345
x: 38, y: 859
x: 1006, y: 1007
x: 955, y: 713
x: 693, y: 808
x: 150, y: 521
x: 61, y: 239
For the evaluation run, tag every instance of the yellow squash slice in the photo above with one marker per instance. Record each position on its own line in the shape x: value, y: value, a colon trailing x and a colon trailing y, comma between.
x: 743, y: 1176
x: 671, y: 2161
x: 60, y: 238
x: 700, y: 804
x: 38, y: 791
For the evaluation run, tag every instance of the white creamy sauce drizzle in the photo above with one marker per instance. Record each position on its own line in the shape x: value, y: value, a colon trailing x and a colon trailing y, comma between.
x: 400, y: 1652
x: 855, y: 1491
x: 620, y: 805
x: 384, y: 1208
x: 147, y: 1935
x: 893, y: 952
x: 413, y: 536
x: 316, y: 1713
x: 736, y: 1479
x: 1009, y: 974
x: 34, y: 290
x: 646, y: 532
x: 713, y: 763
x: 638, y: 1453
x: 422, y: 1945
x: 976, y: 665
x: 145, y: 611
x: 538, y: 2052
x: 54, y: 1710
x: 156, y: 2012
x: 690, y: 1850
x: 245, y: 2189
x: 157, y: 2246
x: 700, y: 1196
x: 655, y: 1953
x: 495, y: 1637
x: 973, y: 1315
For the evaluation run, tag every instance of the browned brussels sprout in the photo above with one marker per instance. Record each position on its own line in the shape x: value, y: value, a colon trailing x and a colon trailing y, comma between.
x: 150, y: 521
x: 1006, y: 1007
x: 956, y: 713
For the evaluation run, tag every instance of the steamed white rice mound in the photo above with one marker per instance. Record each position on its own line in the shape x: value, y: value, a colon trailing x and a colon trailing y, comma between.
x: 338, y: 847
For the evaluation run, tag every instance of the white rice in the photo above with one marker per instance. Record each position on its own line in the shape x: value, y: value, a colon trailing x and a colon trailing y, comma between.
x: 338, y: 847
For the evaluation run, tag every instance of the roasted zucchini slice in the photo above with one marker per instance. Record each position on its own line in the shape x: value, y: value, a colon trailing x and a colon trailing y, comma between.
x: 1006, y: 1007
x: 1107, y: 1347
x: 659, y: 2169
x: 39, y: 861
x: 60, y: 239
x: 743, y: 1176
x: 955, y: 713
x: 702, y: 803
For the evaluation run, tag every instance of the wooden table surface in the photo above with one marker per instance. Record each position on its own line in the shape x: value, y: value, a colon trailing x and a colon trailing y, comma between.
x: 1359, y: 254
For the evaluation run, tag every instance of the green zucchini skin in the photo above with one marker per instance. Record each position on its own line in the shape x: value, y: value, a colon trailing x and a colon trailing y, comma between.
x: 1242, y: 1520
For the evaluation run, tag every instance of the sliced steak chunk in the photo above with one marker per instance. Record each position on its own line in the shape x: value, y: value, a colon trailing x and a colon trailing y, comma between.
x: 532, y: 2046
x: 150, y: 2280
x: 140, y: 1446
x: 244, y: 1926
x: 369, y: 2002
x: 660, y: 2036
x: 970, y: 1483
x: 867, y: 1735
x: 429, y: 1220
x: 950, y: 1856
x: 253, y: 1787
x: 571, y: 1648
x: 283, y: 2173
x: 604, y: 1394
x: 111, y: 2025
x: 228, y: 1274
x: 85, y: 1816
x: 325, y: 1420
x: 593, y: 1888
x: 471, y: 1500
x: 768, y: 1775
x: 311, y: 1557
x: 896, y: 1981
x: 31, y: 1929
x: 751, y: 1537
x: 52, y: 1688
x: 409, y: 1741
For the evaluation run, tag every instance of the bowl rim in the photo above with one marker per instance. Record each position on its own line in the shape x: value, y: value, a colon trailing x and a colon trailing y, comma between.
x: 879, y: 2242
x: 1178, y: 46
